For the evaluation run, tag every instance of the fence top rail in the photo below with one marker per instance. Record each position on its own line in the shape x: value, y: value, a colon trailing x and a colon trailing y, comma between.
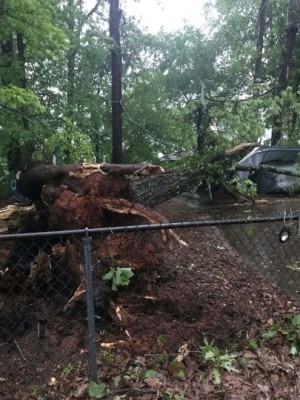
x: 146, y: 227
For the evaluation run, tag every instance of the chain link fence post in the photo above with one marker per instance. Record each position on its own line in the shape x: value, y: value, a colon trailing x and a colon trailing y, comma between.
x: 87, y: 251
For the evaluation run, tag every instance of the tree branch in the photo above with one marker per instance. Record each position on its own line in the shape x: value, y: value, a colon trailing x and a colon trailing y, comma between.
x: 127, y: 118
x: 268, y: 168
x: 94, y: 9
x: 24, y: 114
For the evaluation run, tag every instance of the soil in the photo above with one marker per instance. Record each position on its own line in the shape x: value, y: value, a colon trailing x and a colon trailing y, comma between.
x: 150, y: 333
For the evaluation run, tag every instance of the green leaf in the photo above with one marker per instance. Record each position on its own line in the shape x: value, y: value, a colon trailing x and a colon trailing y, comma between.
x: 296, y: 320
x: 271, y: 332
x: 150, y: 373
x: 162, y: 340
x: 250, y: 231
x: 97, y: 390
x: 117, y: 380
x: 125, y: 275
x: 293, y: 350
x: 176, y: 368
x: 209, y: 355
x: 217, y: 376
x: 109, y: 275
x: 119, y: 277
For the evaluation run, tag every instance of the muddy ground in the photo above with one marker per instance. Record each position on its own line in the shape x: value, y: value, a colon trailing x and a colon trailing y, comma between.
x: 204, y: 290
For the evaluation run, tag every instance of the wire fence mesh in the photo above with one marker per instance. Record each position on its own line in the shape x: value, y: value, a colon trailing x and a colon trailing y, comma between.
x: 52, y: 287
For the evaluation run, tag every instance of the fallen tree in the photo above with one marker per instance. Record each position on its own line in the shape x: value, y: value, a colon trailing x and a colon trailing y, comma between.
x: 73, y: 197
x: 91, y: 195
x: 71, y: 189
x: 160, y: 188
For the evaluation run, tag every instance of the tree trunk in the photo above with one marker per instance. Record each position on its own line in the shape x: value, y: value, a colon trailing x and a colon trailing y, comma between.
x: 75, y: 25
x: 292, y: 28
x: 17, y: 155
x: 71, y: 57
x: 31, y: 182
x: 29, y: 146
x: 116, y: 74
x: 260, y: 39
x: 14, y: 159
x: 201, y: 128
x: 7, y: 50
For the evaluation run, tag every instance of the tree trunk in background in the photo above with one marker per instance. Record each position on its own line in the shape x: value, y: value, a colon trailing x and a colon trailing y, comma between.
x: 286, y: 62
x: 29, y: 147
x: 261, y: 29
x: 17, y: 155
x: 7, y: 55
x: 116, y: 74
x: 71, y: 57
x: 201, y: 128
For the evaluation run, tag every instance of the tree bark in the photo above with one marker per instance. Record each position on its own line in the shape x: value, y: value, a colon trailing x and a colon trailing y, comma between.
x: 292, y: 28
x: 116, y: 74
x: 31, y: 182
x: 71, y: 57
x: 13, y: 51
x: 29, y: 146
x: 13, y: 217
x: 201, y: 127
x: 14, y: 159
x: 260, y: 39
x: 7, y: 50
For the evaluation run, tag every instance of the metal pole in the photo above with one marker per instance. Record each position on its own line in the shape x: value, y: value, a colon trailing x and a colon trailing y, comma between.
x: 87, y: 250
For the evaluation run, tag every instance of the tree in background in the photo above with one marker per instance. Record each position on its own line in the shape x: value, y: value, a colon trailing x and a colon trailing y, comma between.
x: 180, y: 91
x: 285, y: 65
x: 116, y: 80
x: 27, y: 37
x: 261, y: 30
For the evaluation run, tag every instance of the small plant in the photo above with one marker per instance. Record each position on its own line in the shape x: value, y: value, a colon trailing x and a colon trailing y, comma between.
x: 97, y: 390
x: 105, y: 357
x: 133, y: 374
x: 176, y: 368
x: 295, y: 266
x: 291, y: 332
x: 69, y: 369
x: 35, y: 393
x: 117, y: 380
x: 163, y: 357
x: 244, y: 361
x: 252, y: 343
x: 244, y: 186
x: 162, y: 340
x: 218, y: 359
x: 171, y: 394
x: 119, y: 277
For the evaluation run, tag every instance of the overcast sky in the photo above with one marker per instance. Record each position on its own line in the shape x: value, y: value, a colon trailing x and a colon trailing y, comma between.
x: 169, y: 14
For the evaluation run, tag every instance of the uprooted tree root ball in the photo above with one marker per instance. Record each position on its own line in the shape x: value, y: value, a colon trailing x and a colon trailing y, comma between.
x: 73, y: 197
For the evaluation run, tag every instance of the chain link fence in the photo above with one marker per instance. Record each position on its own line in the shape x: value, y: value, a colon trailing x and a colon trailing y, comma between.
x: 53, y: 296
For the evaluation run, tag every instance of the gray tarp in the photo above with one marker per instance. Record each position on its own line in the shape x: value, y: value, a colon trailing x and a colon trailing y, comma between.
x: 275, y: 156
